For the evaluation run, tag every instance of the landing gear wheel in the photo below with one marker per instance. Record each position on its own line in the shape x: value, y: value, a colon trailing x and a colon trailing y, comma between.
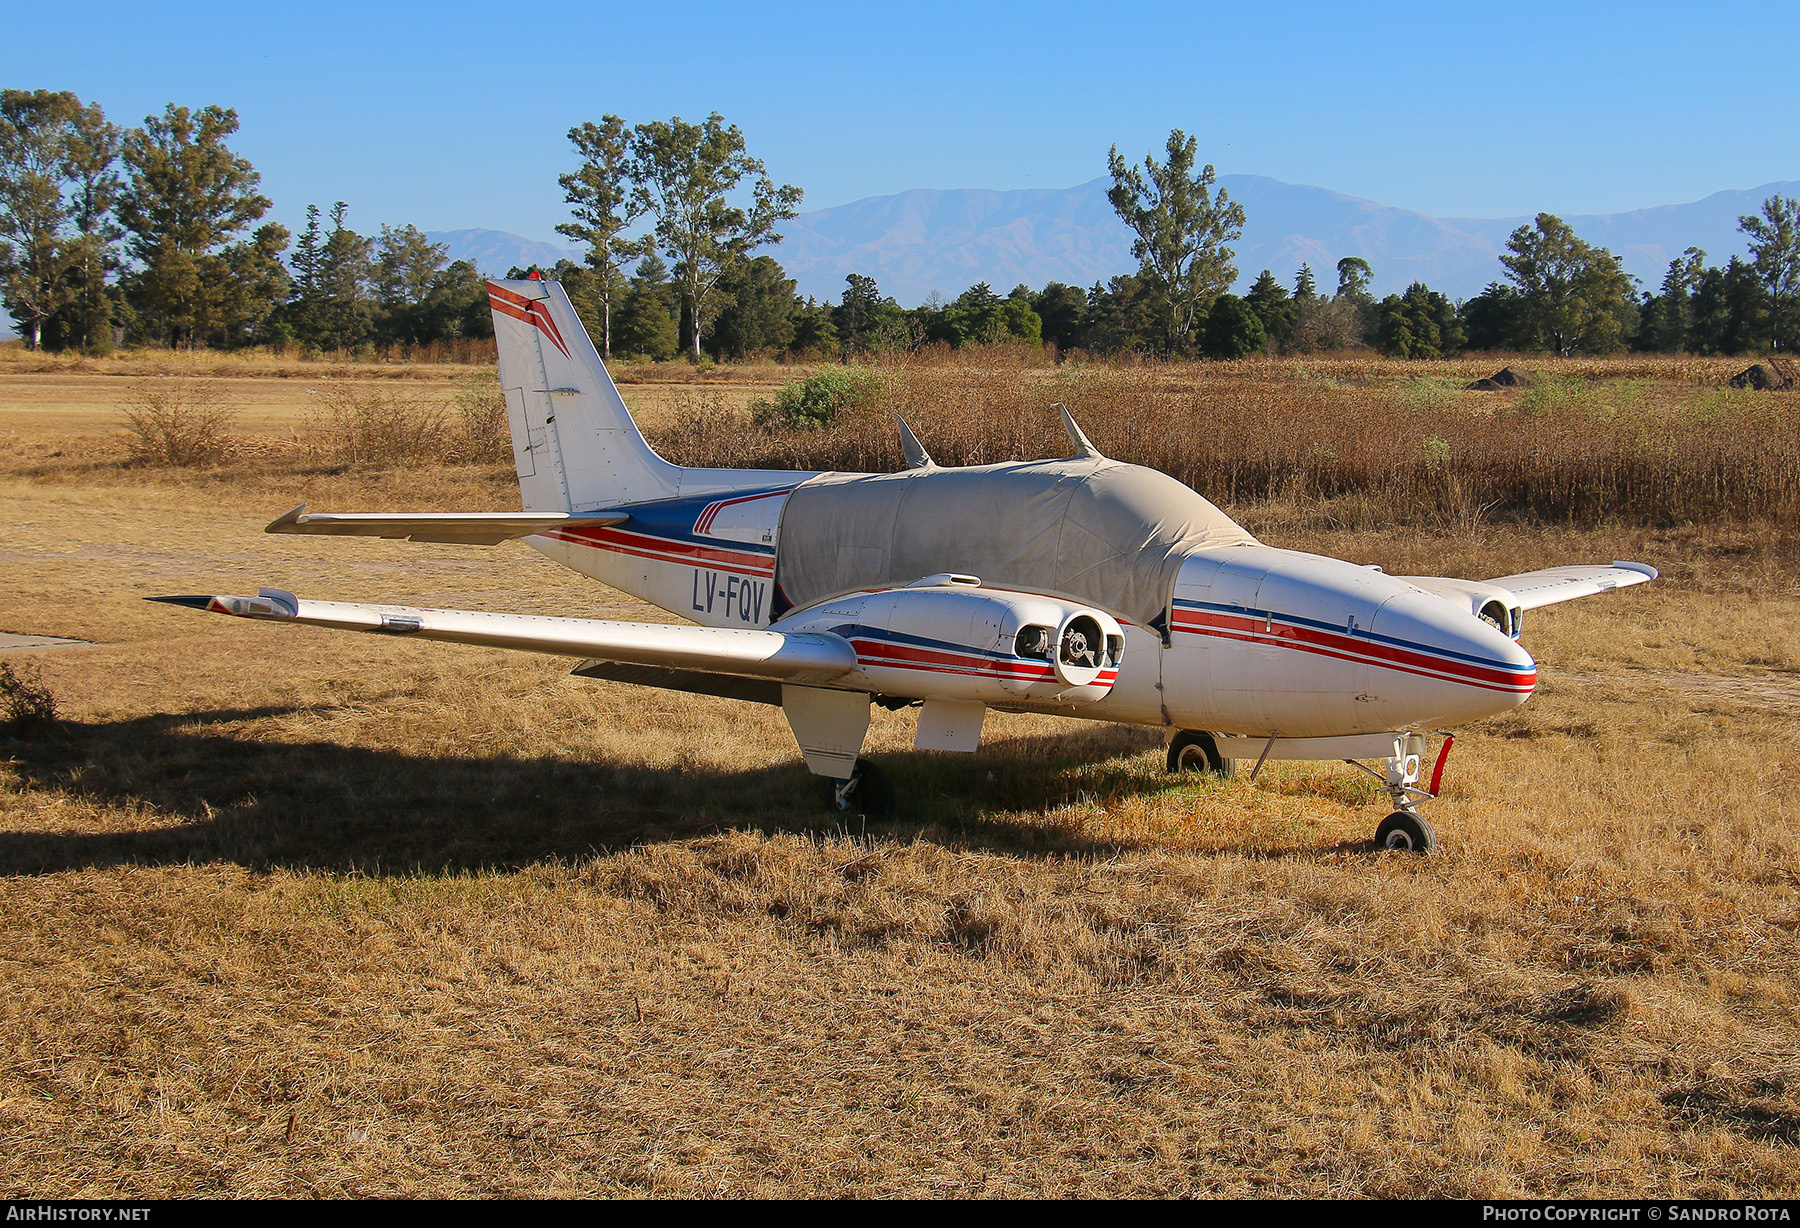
x: 868, y: 792
x: 1405, y: 832
x: 1197, y: 752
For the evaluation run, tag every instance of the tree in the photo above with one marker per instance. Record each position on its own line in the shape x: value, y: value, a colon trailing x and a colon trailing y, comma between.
x: 1305, y: 287
x: 1182, y: 231
x: 863, y: 316
x: 681, y: 175
x: 1232, y: 329
x: 1063, y: 312
x: 1775, y: 253
x: 1322, y: 325
x: 1124, y: 314
x: 1571, y: 295
x: 759, y: 313
x: 1269, y: 299
x: 185, y: 201
x: 1667, y: 320
x: 57, y: 189
x: 1418, y: 324
x: 345, y: 278
x: 815, y: 336
x: 1731, y: 308
x: 604, y: 207
x: 1490, y: 320
x: 406, y: 272
x: 1354, y: 275
x: 646, y: 323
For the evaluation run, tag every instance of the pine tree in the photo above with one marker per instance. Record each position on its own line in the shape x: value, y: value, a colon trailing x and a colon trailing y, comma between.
x: 1775, y: 253
x: 1269, y: 299
x: 186, y: 200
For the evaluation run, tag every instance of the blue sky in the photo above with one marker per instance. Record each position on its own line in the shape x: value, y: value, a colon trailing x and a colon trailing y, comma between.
x: 451, y: 115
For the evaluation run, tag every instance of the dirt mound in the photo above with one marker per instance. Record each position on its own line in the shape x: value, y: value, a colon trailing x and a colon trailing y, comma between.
x: 1763, y: 377
x: 1505, y: 377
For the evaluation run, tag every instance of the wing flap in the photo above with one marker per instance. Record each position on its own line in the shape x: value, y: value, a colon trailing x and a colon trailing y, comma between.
x: 693, y: 682
x: 1553, y: 584
x: 812, y: 657
x: 462, y: 528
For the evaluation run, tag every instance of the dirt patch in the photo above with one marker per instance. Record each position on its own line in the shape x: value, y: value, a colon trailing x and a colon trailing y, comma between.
x: 1764, y: 377
x: 1505, y: 377
x: 10, y: 641
x: 1775, y: 692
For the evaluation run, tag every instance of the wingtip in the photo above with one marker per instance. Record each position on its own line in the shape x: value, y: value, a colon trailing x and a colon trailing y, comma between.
x: 192, y: 602
x: 291, y: 517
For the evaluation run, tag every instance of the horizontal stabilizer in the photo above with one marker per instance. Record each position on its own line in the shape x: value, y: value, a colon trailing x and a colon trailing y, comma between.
x: 811, y: 657
x: 1553, y: 584
x: 462, y: 528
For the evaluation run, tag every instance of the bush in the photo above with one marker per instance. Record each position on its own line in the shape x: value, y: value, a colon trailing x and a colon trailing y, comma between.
x: 820, y: 399
x: 373, y: 426
x: 482, y: 435
x: 178, y: 423
x: 27, y: 708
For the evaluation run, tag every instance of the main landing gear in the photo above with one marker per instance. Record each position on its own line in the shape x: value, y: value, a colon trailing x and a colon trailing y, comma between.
x: 867, y: 792
x: 1191, y: 751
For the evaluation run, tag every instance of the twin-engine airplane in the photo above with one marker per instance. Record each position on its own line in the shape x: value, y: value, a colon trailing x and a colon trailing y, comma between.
x: 1077, y: 587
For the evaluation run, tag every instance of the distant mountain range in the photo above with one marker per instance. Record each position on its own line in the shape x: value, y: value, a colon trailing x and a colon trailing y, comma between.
x: 926, y: 240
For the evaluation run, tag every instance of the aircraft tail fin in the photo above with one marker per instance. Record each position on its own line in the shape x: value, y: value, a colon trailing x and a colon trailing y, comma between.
x: 574, y: 442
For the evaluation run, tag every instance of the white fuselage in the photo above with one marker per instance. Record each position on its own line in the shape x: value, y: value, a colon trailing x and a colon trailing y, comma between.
x: 1260, y: 641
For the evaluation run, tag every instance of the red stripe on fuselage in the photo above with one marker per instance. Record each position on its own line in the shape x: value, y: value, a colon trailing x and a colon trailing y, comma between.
x: 712, y: 510
x: 759, y: 566
x: 1346, y: 648
x: 884, y: 654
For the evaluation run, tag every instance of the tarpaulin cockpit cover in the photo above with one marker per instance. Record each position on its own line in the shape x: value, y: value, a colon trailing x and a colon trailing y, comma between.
x: 1098, y: 531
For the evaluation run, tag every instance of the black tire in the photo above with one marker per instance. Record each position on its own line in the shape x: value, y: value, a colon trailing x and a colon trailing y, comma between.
x: 870, y: 794
x: 1192, y: 751
x: 1405, y: 832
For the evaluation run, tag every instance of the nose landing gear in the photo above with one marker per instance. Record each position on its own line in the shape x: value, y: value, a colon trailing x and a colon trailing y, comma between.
x: 1405, y: 830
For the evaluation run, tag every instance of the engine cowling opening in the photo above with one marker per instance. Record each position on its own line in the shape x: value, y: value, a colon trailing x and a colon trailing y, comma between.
x: 1081, y: 650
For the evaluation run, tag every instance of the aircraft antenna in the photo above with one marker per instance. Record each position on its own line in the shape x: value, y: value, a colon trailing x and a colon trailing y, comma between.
x: 910, y: 447
x: 1084, y: 447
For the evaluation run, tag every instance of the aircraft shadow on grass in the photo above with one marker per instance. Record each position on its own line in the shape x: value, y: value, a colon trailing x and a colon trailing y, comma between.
x: 210, y: 794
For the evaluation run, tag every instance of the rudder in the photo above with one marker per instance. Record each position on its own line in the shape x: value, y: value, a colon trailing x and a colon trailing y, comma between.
x: 575, y: 445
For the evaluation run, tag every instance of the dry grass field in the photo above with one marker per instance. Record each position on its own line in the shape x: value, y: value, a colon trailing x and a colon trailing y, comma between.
x: 292, y: 912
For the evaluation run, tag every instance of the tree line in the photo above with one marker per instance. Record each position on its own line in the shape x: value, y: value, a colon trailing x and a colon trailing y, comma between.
x: 155, y: 235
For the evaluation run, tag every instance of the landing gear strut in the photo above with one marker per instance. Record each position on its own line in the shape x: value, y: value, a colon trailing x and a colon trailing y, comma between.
x: 1405, y: 830
x: 867, y: 792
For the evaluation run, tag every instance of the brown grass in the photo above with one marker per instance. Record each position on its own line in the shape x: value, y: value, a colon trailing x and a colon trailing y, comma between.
x: 1364, y: 442
x: 300, y: 913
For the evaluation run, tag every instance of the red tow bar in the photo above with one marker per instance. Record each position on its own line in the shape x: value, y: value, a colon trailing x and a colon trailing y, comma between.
x: 1437, y: 771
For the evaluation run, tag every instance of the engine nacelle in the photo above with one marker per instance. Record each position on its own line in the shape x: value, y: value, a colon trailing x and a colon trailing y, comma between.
x: 1494, y: 606
x: 948, y: 638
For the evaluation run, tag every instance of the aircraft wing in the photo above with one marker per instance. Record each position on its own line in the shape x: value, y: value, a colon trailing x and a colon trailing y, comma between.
x: 803, y: 658
x: 466, y: 528
x: 1553, y: 584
